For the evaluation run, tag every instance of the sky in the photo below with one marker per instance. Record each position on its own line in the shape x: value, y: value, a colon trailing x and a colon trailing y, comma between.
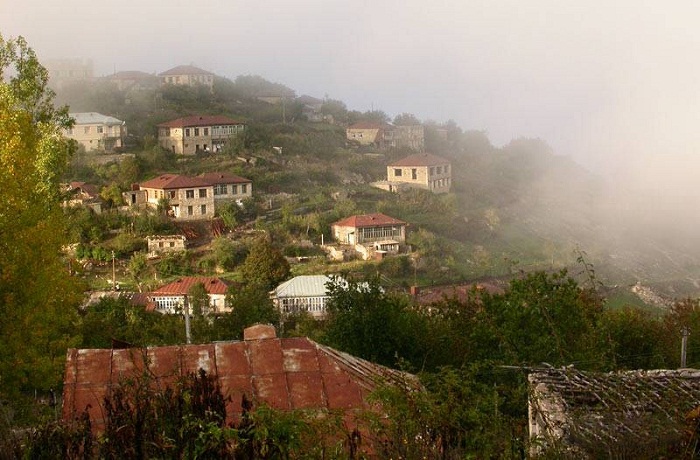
x: 613, y: 84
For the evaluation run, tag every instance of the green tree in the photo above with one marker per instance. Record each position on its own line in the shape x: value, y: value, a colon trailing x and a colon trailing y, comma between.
x: 250, y: 304
x: 365, y: 321
x: 265, y: 265
x: 38, y: 298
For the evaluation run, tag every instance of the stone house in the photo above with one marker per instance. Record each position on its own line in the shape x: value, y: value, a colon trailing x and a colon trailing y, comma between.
x: 158, y: 244
x: 198, y: 133
x: 96, y: 132
x: 133, y: 80
x: 172, y: 298
x: 188, y: 198
x: 386, y: 135
x: 187, y: 75
x: 422, y: 170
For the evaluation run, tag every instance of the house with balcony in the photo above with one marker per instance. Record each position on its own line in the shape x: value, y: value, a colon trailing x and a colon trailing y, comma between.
x: 96, y: 132
x: 228, y: 187
x: 189, y: 197
x: 198, y: 133
x: 371, y: 234
x: 174, y: 297
x: 187, y: 75
x: 422, y: 170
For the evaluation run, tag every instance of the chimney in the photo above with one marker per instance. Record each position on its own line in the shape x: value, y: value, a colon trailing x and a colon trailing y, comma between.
x: 259, y: 332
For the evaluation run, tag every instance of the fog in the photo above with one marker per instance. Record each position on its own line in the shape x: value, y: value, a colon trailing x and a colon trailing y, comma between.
x: 614, y: 85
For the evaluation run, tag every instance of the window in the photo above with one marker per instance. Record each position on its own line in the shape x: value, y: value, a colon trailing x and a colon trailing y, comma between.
x: 202, y: 193
x: 414, y: 174
x: 447, y: 169
x: 220, y: 189
x: 86, y: 130
x: 160, y: 244
x: 171, y: 194
x: 100, y: 129
x: 206, y: 131
x: 234, y: 189
x: 244, y: 188
x: 187, y: 132
x: 189, y: 194
x: 172, y: 244
x: 196, y: 131
x: 397, y: 172
x: 439, y: 169
x: 190, y: 210
x: 432, y: 170
x: 204, y: 209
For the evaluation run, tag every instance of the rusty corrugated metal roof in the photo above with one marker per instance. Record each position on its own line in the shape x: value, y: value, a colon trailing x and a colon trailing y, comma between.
x: 286, y: 374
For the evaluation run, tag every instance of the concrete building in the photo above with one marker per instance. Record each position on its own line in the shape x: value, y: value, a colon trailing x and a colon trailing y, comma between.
x: 96, y: 132
x: 198, y: 133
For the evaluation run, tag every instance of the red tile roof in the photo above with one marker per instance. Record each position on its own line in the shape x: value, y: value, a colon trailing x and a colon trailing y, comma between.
x: 200, y: 120
x: 182, y: 286
x: 421, y: 159
x: 185, y: 70
x: 287, y: 374
x: 368, y: 220
x: 174, y: 181
x: 223, y: 178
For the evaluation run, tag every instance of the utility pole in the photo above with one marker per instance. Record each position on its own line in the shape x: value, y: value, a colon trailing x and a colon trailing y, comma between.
x: 114, y: 274
x: 188, y: 335
x: 684, y: 345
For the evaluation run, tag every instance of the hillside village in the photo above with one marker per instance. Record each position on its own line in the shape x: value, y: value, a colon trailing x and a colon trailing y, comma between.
x: 210, y: 201
x: 234, y: 271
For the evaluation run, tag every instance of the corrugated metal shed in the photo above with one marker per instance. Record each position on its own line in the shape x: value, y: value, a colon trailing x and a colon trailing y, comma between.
x: 286, y: 374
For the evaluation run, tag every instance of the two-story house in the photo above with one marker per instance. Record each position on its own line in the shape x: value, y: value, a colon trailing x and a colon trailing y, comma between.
x: 422, y: 170
x: 96, y: 132
x: 174, y: 297
x: 378, y: 231
x: 187, y: 75
x: 205, y: 133
x: 228, y: 187
x: 385, y: 135
x: 187, y: 197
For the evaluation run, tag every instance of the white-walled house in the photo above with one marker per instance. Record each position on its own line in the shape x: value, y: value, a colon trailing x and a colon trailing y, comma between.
x: 306, y: 293
x: 171, y: 298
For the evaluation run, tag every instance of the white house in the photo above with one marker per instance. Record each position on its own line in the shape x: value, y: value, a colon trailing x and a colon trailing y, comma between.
x: 171, y: 298
x: 302, y: 293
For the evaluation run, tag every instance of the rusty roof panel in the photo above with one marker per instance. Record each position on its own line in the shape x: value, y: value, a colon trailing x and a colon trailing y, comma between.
x: 195, y: 357
x: 306, y: 390
x: 300, y: 357
x: 266, y: 356
x: 272, y: 390
x: 231, y: 359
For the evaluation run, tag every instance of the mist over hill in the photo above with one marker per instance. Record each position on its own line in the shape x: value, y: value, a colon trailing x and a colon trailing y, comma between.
x: 518, y: 207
